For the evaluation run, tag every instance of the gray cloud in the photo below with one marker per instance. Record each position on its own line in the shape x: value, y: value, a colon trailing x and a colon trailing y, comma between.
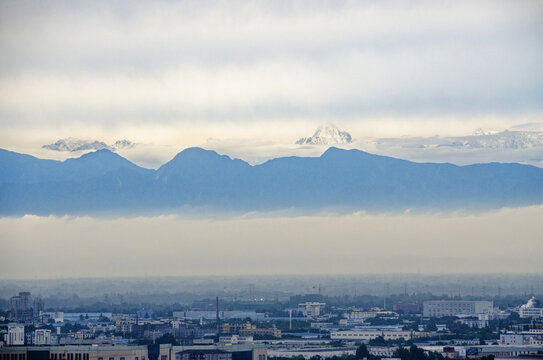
x: 157, y: 62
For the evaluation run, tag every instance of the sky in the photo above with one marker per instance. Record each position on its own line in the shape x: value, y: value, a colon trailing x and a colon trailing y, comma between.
x: 232, y: 74
x: 249, y: 78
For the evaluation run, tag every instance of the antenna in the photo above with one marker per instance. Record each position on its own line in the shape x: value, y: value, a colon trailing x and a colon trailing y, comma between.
x: 217, y: 307
x: 290, y: 318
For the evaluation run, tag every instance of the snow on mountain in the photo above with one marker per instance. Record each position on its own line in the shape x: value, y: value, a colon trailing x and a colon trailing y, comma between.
x: 123, y: 144
x: 480, y: 139
x: 327, y: 135
x: 502, y: 140
x: 72, y: 145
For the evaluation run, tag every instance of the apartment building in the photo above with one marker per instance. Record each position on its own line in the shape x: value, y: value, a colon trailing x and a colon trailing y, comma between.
x: 441, y: 308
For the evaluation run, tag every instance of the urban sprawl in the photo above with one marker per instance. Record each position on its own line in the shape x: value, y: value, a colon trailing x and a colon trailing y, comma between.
x: 309, y: 326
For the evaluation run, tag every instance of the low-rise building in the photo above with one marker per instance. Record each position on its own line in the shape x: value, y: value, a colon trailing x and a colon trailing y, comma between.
x: 531, y: 309
x: 248, y: 329
x: 15, y: 335
x: 311, y: 309
x: 132, y: 352
x: 211, y: 354
x: 441, y: 308
x: 42, y: 337
x: 366, y: 335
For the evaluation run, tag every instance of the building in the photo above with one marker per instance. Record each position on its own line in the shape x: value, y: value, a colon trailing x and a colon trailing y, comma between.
x: 311, y: 309
x: 360, y: 315
x: 406, y: 308
x: 128, y: 352
x: 235, y: 339
x: 223, y: 315
x: 212, y: 354
x: 38, y: 306
x: 512, y: 339
x: 42, y: 337
x: 47, y: 317
x: 15, y: 335
x: 20, y: 309
x: 531, y: 309
x: 441, y: 308
x: 367, y: 335
x: 530, y: 337
x: 248, y: 329
x: 382, y: 351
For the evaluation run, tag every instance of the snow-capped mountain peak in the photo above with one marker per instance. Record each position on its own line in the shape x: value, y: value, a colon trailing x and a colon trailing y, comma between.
x: 73, y: 144
x: 327, y: 135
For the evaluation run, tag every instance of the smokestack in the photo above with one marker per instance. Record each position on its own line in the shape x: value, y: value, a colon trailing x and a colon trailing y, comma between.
x: 217, y: 309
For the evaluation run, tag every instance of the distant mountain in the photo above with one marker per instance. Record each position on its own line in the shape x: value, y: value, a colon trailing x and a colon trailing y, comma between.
x: 25, y: 169
x: 73, y: 145
x: 480, y: 139
x: 501, y: 140
x: 327, y: 135
x: 341, y: 179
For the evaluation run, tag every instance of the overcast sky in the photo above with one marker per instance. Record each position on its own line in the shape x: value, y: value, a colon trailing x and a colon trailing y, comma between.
x: 181, y: 72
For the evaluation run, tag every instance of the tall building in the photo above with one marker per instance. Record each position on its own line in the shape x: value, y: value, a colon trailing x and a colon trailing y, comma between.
x: 38, y: 306
x: 20, y: 309
x: 440, y: 308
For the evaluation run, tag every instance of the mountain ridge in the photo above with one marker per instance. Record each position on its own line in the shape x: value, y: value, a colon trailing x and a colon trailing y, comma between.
x: 195, y: 177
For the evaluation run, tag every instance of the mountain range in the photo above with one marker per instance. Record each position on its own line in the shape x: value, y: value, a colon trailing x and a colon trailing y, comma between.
x: 480, y: 139
x: 103, y: 181
x: 73, y: 144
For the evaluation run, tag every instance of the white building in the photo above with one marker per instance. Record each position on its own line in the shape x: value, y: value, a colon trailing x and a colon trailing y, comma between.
x: 360, y: 315
x: 366, y: 335
x: 512, y: 339
x: 42, y: 337
x: 235, y: 339
x: 530, y: 337
x: 440, y: 308
x: 530, y: 309
x: 15, y: 335
x: 310, y: 309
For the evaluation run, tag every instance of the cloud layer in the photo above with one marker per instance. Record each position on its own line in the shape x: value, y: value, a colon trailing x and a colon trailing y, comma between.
x: 505, y: 241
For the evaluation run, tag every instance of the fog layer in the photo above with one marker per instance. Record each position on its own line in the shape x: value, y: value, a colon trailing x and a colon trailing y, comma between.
x: 509, y: 240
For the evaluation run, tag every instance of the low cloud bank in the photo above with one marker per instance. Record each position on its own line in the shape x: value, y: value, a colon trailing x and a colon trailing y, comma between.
x: 509, y: 240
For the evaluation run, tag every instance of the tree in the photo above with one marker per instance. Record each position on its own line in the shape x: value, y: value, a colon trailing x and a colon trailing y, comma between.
x: 167, y: 339
x: 378, y: 341
x: 431, y: 326
x: 362, y: 352
x: 416, y: 353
